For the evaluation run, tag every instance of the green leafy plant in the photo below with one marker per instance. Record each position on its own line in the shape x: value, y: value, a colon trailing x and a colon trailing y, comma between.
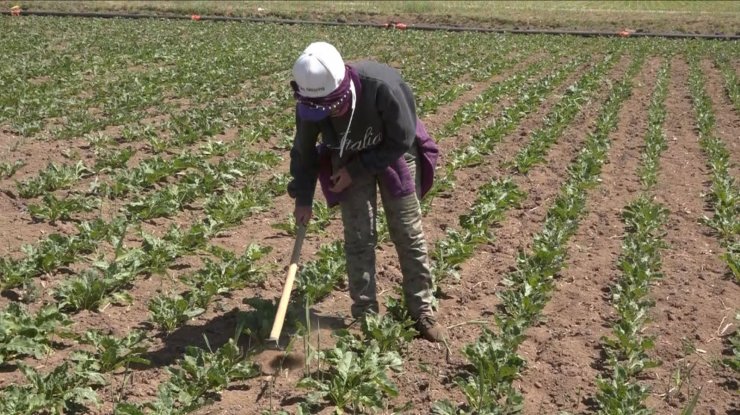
x: 102, y: 283
x: 389, y: 333
x: 170, y: 312
x: 318, y: 278
x: 7, y: 169
x: 64, y: 389
x: 113, y: 159
x: 23, y: 334
x: 195, y: 380
x: 357, y: 378
x: 53, y: 209
x: 53, y: 178
x: 725, y: 192
x: 112, y: 353
x: 489, y: 387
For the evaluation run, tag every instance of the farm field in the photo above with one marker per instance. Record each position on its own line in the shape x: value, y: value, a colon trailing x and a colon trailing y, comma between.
x: 704, y: 16
x: 584, y: 226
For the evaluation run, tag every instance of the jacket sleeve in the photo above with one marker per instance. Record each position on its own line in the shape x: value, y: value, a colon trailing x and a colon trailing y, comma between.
x: 395, y: 104
x: 304, y: 163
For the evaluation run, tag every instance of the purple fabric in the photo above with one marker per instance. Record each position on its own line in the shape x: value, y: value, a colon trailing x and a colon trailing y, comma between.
x: 316, y: 109
x: 428, y: 154
x: 310, y: 113
x: 396, y: 177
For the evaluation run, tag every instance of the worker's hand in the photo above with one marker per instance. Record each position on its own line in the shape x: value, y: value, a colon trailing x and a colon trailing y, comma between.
x: 341, y: 180
x: 302, y: 214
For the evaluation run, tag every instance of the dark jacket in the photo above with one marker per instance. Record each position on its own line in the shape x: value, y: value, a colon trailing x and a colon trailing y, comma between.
x: 383, y: 129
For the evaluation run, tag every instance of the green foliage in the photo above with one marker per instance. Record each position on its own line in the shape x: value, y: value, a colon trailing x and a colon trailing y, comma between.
x: 101, y: 284
x: 231, y: 273
x: 390, y: 334
x: 170, y: 312
x: 231, y: 208
x: 195, y: 380
x: 562, y: 114
x: 319, y: 277
x: 53, y: 178
x: 49, y: 254
x: 7, y: 169
x: 258, y: 322
x: 655, y: 142
x: 202, y: 372
x: 618, y: 395
x: 725, y: 193
x: 23, y: 334
x: 451, y: 251
x: 112, y: 159
x: 357, y: 377
x: 53, y: 209
x: 60, y: 391
x: 494, y: 198
x: 112, y: 353
x: 627, y: 349
x: 489, y: 387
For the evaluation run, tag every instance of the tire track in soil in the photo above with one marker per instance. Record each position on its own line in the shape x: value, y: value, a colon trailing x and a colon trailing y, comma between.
x: 563, y: 351
x: 695, y: 297
x: 727, y: 126
x: 427, y: 375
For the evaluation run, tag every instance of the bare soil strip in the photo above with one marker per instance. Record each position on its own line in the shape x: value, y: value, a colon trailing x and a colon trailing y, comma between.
x: 563, y: 351
x: 696, y: 298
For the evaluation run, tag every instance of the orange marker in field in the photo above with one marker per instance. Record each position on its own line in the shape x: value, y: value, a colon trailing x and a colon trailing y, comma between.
x: 195, y: 17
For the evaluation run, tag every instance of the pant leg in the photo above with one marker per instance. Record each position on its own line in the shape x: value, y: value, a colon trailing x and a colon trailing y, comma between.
x: 359, y: 208
x: 404, y: 226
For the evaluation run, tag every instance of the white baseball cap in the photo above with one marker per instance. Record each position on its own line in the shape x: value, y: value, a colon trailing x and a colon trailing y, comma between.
x: 319, y: 70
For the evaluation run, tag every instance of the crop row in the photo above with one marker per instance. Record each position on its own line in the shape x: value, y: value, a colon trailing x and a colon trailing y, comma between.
x: 640, y: 265
x: 482, y: 142
x: 488, y: 386
x: 725, y: 194
x: 168, y: 61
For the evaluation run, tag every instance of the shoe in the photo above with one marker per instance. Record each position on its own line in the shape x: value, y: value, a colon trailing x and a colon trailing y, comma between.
x: 430, y: 329
x: 359, y: 311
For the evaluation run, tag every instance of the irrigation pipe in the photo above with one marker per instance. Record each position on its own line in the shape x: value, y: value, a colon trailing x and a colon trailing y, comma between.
x: 392, y: 25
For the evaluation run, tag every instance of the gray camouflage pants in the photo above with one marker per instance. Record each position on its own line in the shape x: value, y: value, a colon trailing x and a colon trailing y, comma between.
x: 359, y: 214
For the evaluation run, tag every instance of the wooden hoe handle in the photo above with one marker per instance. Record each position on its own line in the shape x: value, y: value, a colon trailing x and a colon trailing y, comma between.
x: 277, y: 326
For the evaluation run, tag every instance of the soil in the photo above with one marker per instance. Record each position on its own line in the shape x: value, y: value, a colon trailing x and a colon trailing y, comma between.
x: 564, y: 352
